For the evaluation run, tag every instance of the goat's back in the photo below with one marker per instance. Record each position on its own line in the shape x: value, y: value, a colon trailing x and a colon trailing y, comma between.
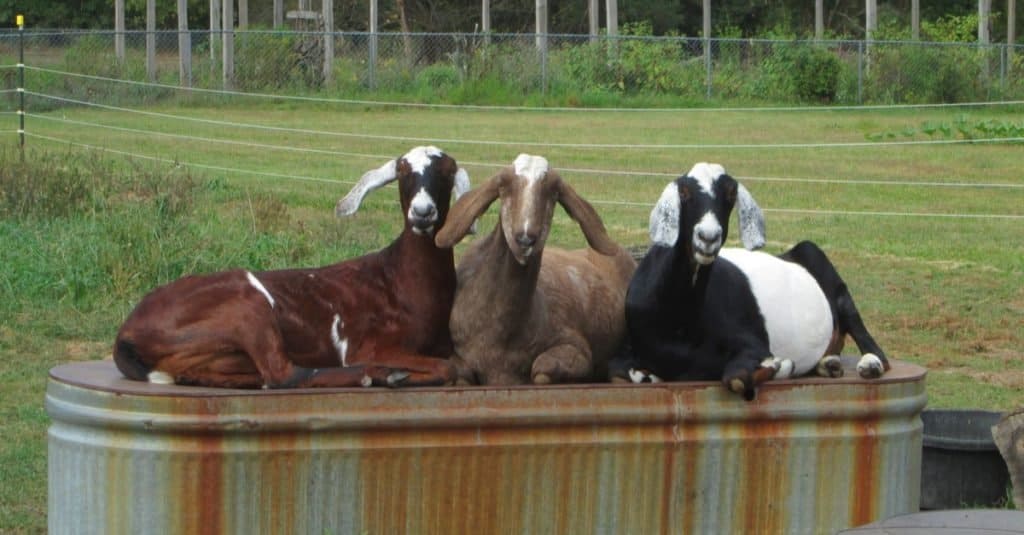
x: 587, y: 289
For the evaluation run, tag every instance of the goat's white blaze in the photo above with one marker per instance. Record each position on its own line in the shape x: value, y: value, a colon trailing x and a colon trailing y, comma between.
x: 664, y: 223
x: 796, y: 314
x: 533, y: 169
x: 259, y: 286
x: 422, y: 202
x: 706, y: 174
x: 704, y: 252
x: 419, y: 157
x: 158, y: 377
x: 340, y: 343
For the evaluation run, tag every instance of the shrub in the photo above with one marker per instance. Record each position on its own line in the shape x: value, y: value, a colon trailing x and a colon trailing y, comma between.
x: 799, y: 71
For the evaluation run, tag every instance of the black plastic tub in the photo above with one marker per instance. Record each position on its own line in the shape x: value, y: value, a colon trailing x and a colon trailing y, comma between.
x: 960, y: 464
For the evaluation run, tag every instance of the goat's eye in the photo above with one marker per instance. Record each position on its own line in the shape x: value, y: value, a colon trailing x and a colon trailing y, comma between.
x: 730, y: 193
x: 684, y: 193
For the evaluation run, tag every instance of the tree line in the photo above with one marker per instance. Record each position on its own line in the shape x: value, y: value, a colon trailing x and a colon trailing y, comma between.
x: 730, y: 18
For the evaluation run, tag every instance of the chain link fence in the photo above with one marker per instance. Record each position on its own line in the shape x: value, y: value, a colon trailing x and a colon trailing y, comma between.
x: 504, y: 67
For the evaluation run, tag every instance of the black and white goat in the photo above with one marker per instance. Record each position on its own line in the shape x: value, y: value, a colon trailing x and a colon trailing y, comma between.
x: 698, y: 311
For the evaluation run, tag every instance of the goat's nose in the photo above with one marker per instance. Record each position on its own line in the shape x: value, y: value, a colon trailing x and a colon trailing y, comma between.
x: 525, y: 240
x: 424, y: 210
x: 709, y: 235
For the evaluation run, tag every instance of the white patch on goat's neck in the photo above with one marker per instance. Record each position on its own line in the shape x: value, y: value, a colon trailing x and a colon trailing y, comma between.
x: 664, y: 224
x: 158, y: 377
x: 706, y: 174
x: 419, y: 157
x: 259, y: 286
x: 340, y: 344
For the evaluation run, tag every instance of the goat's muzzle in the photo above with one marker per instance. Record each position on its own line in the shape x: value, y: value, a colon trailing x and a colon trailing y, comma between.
x: 524, y: 247
x: 423, y: 217
x: 707, y: 240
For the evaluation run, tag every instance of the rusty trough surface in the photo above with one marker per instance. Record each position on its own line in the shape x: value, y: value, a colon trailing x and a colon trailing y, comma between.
x: 807, y: 456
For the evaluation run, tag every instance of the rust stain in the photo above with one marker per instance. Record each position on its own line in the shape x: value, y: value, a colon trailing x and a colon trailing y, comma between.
x: 761, y: 473
x: 204, y: 494
x: 866, y: 480
x: 663, y: 458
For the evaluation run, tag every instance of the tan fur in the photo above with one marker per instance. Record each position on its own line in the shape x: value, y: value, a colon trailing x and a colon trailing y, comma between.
x: 529, y: 313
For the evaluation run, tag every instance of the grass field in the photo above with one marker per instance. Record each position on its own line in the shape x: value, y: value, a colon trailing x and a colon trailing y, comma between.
x: 930, y: 237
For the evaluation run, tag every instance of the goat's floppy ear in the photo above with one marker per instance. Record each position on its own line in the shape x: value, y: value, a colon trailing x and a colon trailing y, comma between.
x: 461, y: 188
x: 463, y: 214
x: 370, y: 181
x: 585, y: 215
x: 751, y: 220
x: 664, y: 225
x: 461, y: 183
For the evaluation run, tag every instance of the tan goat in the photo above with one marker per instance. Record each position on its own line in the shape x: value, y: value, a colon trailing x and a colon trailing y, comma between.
x: 519, y: 317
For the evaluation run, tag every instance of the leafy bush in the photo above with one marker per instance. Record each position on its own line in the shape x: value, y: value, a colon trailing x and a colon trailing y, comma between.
x: 799, y: 71
x: 905, y: 73
x: 267, y: 61
x: 636, y: 63
x: 439, y: 77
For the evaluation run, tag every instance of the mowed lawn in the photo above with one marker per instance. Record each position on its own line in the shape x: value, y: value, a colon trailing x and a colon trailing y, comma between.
x: 929, y: 236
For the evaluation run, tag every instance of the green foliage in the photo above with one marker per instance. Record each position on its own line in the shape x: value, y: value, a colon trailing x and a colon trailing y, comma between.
x: 951, y: 28
x: 438, y: 79
x: 905, y: 73
x: 269, y: 61
x: 797, y: 70
x: 635, y: 63
x: 963, y: 127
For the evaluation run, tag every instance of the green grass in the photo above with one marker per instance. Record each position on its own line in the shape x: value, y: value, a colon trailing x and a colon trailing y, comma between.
x: 86, y: 234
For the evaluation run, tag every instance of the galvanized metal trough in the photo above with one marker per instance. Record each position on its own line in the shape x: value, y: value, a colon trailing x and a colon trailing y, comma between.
x: 807, y: 456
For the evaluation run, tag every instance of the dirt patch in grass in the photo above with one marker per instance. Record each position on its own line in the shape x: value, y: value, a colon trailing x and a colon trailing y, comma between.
x: 82, y: 350
x: 1012, y: 379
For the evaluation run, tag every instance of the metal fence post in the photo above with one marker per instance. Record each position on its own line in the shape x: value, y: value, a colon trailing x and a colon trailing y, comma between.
x: 544, y: 65
x: 860, y: 72
x: 372, y: 63
x: 21, y: 84
x: 707, y: 67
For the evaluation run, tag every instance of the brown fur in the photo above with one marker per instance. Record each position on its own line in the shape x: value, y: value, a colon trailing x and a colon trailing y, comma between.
x: 219, y: 330
x: 526, y: 313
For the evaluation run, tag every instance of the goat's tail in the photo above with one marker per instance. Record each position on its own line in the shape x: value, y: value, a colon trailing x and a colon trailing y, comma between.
x: 127, y: 359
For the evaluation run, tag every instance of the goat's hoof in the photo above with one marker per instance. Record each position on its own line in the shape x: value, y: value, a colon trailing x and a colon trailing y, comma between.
x: 743, y: 386
x: 643, y: 376
x: 772, y: 362
x: 870, y: 366
x: 830, y: 366
x: 786, y: 369
x: 542, y: 379
x: 397, y: 377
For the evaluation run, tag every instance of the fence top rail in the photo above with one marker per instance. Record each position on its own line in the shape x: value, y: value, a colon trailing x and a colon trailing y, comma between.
x: 13, y: 32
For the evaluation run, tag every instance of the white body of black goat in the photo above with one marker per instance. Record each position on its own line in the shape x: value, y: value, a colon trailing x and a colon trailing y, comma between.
x: 698, y: 311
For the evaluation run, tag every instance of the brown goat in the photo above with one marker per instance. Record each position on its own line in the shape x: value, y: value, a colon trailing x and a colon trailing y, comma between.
x: 379, y: 319
x: 524, y: 314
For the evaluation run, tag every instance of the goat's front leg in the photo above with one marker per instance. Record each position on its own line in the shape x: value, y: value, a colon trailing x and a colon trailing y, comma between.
x: 419, y: 370
x: 748, y: 370
x: 407, y: 368
x: 349, y: 376
x: 566, y: 363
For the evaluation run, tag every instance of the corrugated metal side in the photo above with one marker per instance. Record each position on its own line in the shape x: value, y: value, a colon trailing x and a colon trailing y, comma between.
x: 808, y: 456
